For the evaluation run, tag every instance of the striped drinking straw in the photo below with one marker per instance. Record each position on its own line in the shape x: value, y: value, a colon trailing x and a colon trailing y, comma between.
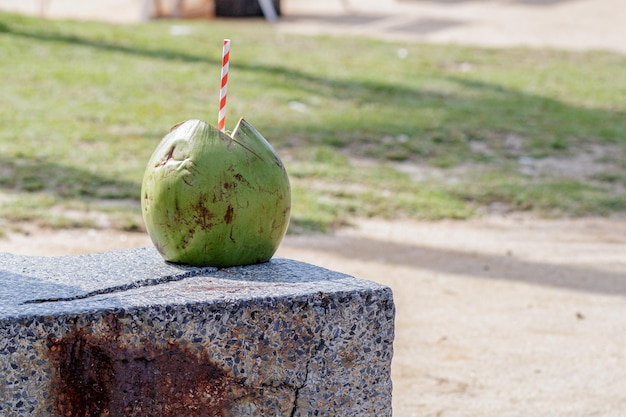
x: 221, y: 119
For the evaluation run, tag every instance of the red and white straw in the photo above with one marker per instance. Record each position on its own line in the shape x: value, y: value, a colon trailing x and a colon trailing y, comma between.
x: 221, y: 119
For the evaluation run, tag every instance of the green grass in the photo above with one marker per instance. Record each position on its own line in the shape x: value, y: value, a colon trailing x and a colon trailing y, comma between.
x: 84, y: 105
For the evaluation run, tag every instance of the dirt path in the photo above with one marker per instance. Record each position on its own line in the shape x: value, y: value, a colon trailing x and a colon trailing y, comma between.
x: 495, y: 317
x: 569, y: 24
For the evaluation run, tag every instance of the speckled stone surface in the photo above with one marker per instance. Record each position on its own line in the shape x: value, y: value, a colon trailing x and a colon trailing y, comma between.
x: 125, y: 334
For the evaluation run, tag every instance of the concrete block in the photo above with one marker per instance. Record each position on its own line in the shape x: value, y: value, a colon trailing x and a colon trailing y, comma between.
x: 125, y: 334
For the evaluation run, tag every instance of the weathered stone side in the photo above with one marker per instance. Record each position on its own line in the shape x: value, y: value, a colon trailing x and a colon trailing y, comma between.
x: 125, y: 334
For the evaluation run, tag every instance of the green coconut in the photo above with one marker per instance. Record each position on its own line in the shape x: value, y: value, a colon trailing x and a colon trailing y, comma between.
x: 213, y: 199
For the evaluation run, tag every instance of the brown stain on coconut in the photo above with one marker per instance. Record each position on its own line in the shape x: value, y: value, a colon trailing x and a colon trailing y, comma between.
x: 202, y: 217
x: 229, y: 215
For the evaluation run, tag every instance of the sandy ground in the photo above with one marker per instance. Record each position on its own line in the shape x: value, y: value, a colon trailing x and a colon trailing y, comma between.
x: 500, y: 316
x: 496, y: 317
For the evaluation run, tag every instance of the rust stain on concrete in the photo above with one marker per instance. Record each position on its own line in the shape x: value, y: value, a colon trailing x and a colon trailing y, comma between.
x: 97, y: 377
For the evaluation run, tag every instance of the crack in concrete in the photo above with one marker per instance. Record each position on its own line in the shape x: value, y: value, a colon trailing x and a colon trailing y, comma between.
x: 296, y: 392
x: 297, y: 389
x: 126, y: 287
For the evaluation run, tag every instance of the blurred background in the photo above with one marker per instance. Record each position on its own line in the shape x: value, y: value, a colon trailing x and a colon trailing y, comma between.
x: 470, y: 154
